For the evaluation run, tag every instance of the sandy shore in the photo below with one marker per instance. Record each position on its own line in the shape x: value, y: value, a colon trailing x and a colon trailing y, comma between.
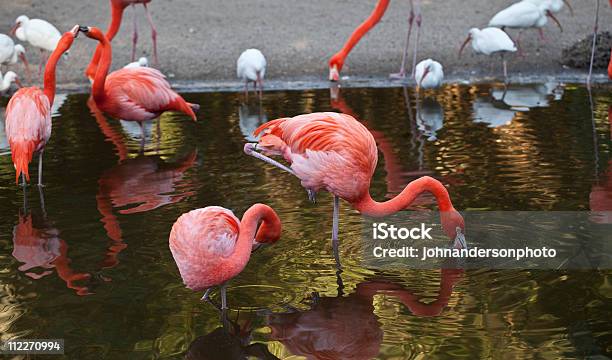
x: 200, y: 41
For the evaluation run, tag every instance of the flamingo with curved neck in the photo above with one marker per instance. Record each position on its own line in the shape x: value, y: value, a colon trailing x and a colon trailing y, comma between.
x: 337, y: 153
x: 336, y: 62
x: 211, y: 246
x: 133, y: 94
x: 117, y: 9
x: 28, y: 115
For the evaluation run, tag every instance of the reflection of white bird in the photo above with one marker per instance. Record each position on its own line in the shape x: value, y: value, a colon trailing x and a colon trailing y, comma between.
x: 429, y: 118
x: 39, y: 33
x: 4, y: 145
x: 489, y: 41
x: 526, y: 97
x: 249, y: 121
x: 251, y: 67
x: 132, y: 129
x: 142, y: 62
x: 429, y: 74
x: 486, y: 112
x: 6, y: 80
x: 11, y: 53
x: 58, y: 101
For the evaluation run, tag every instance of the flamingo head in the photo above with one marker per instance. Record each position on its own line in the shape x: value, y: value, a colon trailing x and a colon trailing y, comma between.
x: 454, y: 226
x: 335, y: 66
x: 22, y: 19
x: 470, y: 36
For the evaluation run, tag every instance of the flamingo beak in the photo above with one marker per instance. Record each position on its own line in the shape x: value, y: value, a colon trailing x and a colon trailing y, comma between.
x: 569, y: 6
x: 550, y: 15
x: 334, y: 74
x: 464, y: 44
x: 75, y: 31
x: 14, y: 29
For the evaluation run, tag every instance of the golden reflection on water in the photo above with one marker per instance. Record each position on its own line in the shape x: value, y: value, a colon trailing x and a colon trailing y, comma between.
x: 109, y: 208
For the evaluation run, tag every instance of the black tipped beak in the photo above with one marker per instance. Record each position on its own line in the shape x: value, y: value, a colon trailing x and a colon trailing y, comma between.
x: 84, y: 29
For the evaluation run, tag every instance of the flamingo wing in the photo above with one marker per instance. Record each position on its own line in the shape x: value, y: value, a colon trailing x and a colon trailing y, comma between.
x: 199, y: 239
x: 28, y: 126
x: 142, y: 94
x: 326, y: 150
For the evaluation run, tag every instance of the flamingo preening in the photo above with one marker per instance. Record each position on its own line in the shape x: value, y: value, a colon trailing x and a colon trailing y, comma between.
x: 211, y: 246
x: 28, y: 115
x: 132, y: 94
x: 337, y: 153
x: 117, y: 9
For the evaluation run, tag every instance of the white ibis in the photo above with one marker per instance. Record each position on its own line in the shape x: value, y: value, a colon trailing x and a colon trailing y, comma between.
x: 525, y: 14
x: 429, y: 74
x: 6, y: 80
x: 10, y: 52
x: 39, y: 33
x: 251, y: 67
x: 142, y: 62
x: 489, y: 41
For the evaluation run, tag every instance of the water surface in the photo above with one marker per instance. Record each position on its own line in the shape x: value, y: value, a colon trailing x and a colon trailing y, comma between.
x: 93, y: 267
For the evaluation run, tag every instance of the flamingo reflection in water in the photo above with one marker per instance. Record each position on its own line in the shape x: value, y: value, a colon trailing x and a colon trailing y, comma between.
x: 600, y: 199
x: 136, y: 185
x: 345, y: 327
x: 37, y: 245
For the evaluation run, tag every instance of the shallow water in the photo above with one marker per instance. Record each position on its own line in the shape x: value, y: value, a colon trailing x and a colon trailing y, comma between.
x: 94, y: 267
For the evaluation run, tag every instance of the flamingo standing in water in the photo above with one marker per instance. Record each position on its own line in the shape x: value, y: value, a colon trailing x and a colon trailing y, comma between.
x: 28, y: 115
x: 133, y: 94
x: 211, y: 246
x: 337, y: 153
x: 117, y: 9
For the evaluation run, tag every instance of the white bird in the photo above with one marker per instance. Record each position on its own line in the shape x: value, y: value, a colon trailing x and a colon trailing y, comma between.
x: 489, y: 41
x: 526, y: 14
x: 39, y: 33
x: 555, y: 5
x: 251, y: 66
x: 142, y: 62
x: 6, y: 80
x: 524, y: 98
x: 429, y: 74
x: 11, y: 53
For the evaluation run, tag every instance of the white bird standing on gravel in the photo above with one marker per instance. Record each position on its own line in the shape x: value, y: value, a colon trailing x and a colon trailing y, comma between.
x: 251, y: 66
x: 142, y: 62
x: 525, y: 14
x: 7, y: 80
x: 39, y: 33
x: 489, y: 41
x: 11, y: 53
x: 428, y: 74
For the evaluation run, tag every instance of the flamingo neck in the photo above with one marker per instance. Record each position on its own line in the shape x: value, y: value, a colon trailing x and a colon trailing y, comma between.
x: 49, y: 76
x: 103, y: 67
x: 610, y: 64
x: 269, y: 231
x: 368, y: 206
x: 113, y: 29
x: 360, y: 31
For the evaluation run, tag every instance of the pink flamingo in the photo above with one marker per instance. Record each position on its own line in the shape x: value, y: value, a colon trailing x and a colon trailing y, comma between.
x: 133, y: 94
x: 337, y: 153
x: 117, y: 9
x: 211, y: 246
x: 28, y: 115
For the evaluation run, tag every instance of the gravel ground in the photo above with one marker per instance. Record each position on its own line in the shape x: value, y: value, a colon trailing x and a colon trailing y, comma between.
x: 199, y: 41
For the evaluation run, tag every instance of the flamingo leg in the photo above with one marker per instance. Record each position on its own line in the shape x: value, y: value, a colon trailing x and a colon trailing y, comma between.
x: 418, y: 34
x: 42, y: 202
x: 40, y: 168
x: 23, y: 181
x: 251, y: 149
x: 153, y: 33
x: 223, y: 297
x: 595, y: 29
x: 135, y: 34
x: 206, y: 296
x: 402, y: 72
x: 335, y: 221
